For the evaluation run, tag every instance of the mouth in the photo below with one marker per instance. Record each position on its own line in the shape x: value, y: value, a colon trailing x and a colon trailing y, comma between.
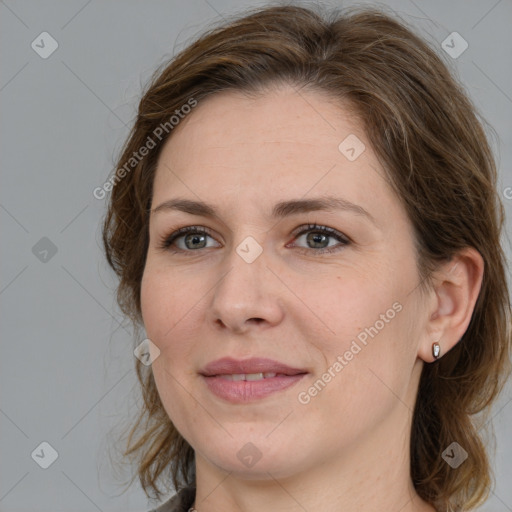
x: 242, y: 381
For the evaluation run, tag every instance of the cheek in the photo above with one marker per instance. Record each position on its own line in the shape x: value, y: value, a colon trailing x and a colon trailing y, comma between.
x: 170, y: 311
x: 356, y: 301
x: 164, y: 298
x: 163, y: 305
x: 367, y: 366
x: 153, y: 303
x: 368, y: 315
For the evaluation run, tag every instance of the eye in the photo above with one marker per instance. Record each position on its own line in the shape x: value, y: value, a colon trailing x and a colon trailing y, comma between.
x: 193, y: 237
x: 318, y: 236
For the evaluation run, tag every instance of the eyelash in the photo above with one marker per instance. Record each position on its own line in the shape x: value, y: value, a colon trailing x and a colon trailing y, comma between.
x: 166, y: 243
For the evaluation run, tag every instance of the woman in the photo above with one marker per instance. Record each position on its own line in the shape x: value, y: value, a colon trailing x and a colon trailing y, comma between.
x: 304, y: 220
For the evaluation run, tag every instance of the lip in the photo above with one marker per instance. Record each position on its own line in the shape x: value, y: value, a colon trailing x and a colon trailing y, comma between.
x: 247, y: 391
x: 228, y: 365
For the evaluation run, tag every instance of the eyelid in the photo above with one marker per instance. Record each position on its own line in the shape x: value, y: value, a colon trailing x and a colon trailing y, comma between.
x: 319, y: 227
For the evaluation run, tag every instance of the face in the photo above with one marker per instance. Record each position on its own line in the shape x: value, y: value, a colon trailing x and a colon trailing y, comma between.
x: 328, y: 291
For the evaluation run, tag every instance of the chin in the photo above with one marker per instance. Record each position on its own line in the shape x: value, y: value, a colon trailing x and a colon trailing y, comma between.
x: 254, y: 460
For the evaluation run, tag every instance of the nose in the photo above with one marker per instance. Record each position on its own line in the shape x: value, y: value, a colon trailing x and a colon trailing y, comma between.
x: 247, y: 296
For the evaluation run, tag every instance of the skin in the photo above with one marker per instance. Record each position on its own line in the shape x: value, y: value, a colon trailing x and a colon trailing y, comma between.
x: 348, y: 448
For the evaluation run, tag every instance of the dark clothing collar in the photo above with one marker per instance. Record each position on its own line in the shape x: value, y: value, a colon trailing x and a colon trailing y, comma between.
x: 180, y: 502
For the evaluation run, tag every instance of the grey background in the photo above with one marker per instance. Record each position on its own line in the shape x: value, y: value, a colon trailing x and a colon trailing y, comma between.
x: 66, y: 374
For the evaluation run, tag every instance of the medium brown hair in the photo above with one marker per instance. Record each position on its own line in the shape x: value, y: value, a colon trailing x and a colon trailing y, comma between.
x: 427, y: 136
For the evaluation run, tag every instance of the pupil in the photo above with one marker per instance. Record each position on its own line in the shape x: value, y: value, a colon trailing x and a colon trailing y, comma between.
x: 196, y: 238
x: 317, y: 237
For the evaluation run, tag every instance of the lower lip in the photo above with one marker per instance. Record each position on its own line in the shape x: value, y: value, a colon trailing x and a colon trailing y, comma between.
x: 243, y: 391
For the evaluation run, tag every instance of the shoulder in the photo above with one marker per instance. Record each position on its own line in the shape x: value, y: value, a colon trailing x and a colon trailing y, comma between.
x: 180, y: 502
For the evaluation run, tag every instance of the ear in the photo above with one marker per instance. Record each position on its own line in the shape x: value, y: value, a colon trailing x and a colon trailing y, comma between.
x: 452, y: 301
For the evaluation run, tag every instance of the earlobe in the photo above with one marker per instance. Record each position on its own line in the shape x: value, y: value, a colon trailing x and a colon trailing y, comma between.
x: 455, y: 291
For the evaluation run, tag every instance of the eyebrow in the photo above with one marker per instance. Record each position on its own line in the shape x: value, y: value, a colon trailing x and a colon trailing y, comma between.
x: 280, y: 210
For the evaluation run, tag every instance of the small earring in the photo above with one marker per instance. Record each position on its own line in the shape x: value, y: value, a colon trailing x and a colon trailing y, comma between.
x: 436, y: 350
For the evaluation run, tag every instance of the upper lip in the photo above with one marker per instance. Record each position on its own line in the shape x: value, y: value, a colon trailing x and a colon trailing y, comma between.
x: 230, y: 366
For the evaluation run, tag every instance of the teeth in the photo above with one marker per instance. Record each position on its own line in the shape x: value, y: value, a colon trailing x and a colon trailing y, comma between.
x: 249, y: 376
x: 254, y: 376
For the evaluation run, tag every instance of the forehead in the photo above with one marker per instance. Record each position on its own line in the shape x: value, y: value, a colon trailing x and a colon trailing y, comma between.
x: 232, y: 122
x: 284, y: 143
